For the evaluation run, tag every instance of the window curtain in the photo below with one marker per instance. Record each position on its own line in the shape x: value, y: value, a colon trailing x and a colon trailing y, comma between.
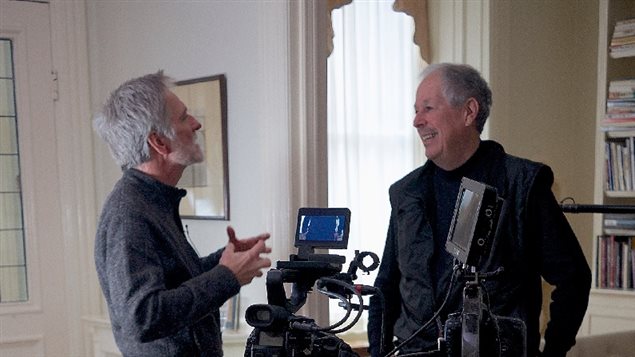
x: 373, y: 72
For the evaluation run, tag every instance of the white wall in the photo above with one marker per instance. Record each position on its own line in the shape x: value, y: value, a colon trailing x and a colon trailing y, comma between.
x: 245, y: 40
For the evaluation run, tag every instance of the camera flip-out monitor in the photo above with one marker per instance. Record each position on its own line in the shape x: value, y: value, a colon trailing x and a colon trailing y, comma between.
x: 322, y: 228
x: 474, y: 222
x: 319, y: 228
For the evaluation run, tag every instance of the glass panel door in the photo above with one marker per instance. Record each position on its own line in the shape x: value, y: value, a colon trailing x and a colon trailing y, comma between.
x: 13, y: 286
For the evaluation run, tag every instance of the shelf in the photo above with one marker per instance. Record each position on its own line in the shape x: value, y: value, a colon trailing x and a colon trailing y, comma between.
x: 619, y: 132
x: 619, y: 232
x: 620, y: 194
x: 620, y: 58
x: 614, y: 292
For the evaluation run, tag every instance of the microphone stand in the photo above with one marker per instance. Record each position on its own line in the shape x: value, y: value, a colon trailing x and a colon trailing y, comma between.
x: 577, y: 208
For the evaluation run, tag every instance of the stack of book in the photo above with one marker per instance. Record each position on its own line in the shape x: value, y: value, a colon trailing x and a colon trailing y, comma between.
x: 620, y: 164
x: 621, y: 224
x: 623, y: 40
x: 620, y: 105
x: 615, y: 265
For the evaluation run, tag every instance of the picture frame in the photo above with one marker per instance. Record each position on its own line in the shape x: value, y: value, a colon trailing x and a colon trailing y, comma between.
x: 207, y: 183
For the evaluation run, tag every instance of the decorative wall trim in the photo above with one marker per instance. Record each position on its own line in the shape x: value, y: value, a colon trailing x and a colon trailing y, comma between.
x: 417, y: 9
x: 33, y: 344
x: 74, y: 140
x: 309, y: 164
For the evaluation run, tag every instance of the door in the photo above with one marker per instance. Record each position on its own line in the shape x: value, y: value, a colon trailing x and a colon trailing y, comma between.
x: 36, y: 322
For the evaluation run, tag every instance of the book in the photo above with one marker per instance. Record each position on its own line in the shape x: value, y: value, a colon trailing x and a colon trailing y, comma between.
x: 632, y: 262
x: 622, y: 52
x: 620, y: 105
x: 626, y: 260
x: 601, y: 262
x: 619, y: 223
x: 621, y: 89
x: 626, y: 168
x: 622, y: 42
x: 620, y: 231
x: 625, y: 82
x: 607, y: 165
x: 611, y: 261
x: 614, y: 262
x: 618, y: 118
x: 624, y: 28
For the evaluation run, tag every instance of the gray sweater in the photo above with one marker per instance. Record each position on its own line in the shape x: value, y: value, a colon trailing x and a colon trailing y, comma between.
x: 162, y: 298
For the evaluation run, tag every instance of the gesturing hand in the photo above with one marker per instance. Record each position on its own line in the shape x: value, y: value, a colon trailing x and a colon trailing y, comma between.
x: 243, y: 258
x: 245, y: 243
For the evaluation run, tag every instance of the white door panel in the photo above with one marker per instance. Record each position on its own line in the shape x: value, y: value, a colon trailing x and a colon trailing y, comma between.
x: 39, y: 326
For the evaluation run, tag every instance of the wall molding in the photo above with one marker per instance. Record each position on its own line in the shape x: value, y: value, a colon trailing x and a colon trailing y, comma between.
x: 74, y: 140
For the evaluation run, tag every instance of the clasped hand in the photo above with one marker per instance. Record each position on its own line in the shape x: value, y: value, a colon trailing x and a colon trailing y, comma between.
x: 243, y: 256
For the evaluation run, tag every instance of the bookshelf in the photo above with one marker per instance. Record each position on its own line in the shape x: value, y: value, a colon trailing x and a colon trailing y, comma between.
x: 612, y: 303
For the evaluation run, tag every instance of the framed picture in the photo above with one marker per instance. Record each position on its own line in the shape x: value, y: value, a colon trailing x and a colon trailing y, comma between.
x: 207, y: 183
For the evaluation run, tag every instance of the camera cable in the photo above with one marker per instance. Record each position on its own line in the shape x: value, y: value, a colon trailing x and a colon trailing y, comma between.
x: 432, y: 319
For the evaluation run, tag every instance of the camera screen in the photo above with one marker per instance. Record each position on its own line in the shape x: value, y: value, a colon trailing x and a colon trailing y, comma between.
x: 466, y: 218
x: 474, y: 222
x: 323, y: 227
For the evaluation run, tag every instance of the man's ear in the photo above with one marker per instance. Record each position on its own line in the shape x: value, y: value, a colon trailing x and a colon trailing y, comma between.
x: 471, y: 111
x: 158, y: 143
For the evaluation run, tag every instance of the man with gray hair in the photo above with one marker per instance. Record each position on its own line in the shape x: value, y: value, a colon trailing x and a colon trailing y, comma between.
x: 163, y: 299
x: 534, y: 240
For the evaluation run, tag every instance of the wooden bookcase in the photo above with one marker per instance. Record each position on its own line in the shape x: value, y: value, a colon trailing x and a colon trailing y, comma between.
x: 610, y: 310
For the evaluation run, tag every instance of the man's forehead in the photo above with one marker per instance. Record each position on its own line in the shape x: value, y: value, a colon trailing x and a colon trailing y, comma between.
x: 427, y: 94
x: 175, y: 106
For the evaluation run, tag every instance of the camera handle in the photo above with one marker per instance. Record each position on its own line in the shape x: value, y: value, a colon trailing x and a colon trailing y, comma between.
x: 358, y: 263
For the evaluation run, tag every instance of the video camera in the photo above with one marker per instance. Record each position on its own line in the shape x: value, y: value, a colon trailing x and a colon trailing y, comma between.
x: 277, y: 330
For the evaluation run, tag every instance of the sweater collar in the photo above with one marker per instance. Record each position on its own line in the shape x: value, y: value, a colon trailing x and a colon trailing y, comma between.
x: 154, y: 188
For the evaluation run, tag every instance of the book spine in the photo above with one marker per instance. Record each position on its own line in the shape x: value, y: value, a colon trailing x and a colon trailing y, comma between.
x: 598, y: 262
x: 626, y: 261
x: 608, y: 165
x: 611, y: 262
x: 604, y: 266
x: 632, y: 241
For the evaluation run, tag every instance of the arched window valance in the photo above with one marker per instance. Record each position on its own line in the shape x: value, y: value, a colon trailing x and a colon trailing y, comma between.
x: 417, y: 9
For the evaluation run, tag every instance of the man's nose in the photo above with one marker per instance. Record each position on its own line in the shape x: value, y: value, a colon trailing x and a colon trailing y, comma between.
x: 418, y: 120
x: 196, y: 125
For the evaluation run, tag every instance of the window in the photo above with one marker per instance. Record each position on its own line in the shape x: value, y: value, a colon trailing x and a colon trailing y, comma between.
x: 372, y: 78
x: 13, y: 287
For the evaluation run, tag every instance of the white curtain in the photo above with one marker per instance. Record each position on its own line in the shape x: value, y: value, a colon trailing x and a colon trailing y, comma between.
x: 372, y: 77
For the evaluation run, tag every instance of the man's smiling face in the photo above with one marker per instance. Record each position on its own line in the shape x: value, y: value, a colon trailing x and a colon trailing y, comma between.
x: 443, y: 129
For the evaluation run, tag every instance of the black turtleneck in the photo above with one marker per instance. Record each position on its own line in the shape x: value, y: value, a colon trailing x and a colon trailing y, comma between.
x: 446, y: 189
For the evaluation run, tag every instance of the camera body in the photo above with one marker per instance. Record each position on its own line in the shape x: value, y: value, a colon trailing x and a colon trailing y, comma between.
x: 277, y: 330
x: 292, y: 342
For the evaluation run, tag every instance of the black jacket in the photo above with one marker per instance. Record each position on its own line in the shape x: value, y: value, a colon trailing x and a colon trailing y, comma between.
x: 534, y: 241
